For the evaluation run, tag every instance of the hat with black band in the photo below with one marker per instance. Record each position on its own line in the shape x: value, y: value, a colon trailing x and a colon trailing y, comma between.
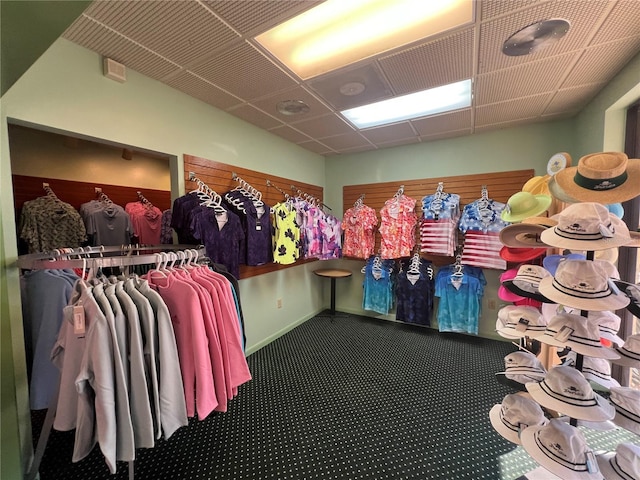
x: 605, y: 177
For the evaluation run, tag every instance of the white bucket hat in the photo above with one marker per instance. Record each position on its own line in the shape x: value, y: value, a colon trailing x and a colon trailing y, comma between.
x: 624, y: 464
x: 626, y: 402
x: 596, y: 370
x: 584, y: 285
x: 514, y: 414
x: 633, y: 292
x: 608, y: 324
x: 586, y: 226
x: 561, y: 449
x: 629, y: 352
x: 526, y: 282
x: 565, y: 390
x: 523, y: 367
x: 520, y: 321
x: 577, y: 333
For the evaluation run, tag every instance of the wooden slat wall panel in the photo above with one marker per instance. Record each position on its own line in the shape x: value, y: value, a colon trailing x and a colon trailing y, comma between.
x: 76, y: 193
x: 219, y: 177
x: 500, y: 185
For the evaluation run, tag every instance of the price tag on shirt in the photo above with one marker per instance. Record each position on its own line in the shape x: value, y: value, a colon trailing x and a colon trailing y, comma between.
x: 79, y: 326
x: 258, y: 225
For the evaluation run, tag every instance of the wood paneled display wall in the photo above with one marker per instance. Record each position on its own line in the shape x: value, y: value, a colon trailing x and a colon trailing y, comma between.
x: 219, y: 177
x: 500, y: 186
x: 76, y: 193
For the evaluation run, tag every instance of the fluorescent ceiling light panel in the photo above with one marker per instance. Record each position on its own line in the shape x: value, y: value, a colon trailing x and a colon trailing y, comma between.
x: 420, y: 104
x: 340, y: 32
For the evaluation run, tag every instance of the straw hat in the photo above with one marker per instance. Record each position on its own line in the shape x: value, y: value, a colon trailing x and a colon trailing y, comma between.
x: 606, y: 177
x: 524, y: 204
x: 537, y: 185
x: 558, y: 193
x: 522, y: 235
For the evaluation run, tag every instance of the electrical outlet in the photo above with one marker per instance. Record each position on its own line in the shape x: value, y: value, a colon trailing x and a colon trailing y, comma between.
x: 279, y: 303
x: 491, y: 304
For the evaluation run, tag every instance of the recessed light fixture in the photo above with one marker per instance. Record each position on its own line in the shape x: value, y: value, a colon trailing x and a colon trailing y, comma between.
x: 420, y: 104
x: 340, y: 32
x: 292, y: 107
x: 351, y: 89
x: 535, y: 37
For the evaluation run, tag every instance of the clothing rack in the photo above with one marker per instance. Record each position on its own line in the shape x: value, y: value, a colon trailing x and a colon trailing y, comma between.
x: 59, y: 260
x: 310, y: 198
x: 209, y: 196
x: 247, y: 186
x: 144, y: 201
x: 287, y: 197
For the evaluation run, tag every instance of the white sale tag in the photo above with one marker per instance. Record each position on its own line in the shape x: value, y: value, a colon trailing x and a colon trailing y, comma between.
x: 78, y: 320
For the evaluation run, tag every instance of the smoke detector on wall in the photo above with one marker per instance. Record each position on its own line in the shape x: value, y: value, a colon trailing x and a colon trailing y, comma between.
x: 114, y: 70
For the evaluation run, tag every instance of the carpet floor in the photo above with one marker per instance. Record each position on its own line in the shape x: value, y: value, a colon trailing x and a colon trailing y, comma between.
x: 344, y: 398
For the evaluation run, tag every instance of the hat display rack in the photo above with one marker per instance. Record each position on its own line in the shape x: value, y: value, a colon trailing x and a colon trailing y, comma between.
x: 588, y: 286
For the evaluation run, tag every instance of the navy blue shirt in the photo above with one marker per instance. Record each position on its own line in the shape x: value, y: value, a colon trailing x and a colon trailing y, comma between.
x: 414, y: 294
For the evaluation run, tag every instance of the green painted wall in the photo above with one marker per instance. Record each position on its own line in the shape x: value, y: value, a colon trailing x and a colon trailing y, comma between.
x: 66, y: 91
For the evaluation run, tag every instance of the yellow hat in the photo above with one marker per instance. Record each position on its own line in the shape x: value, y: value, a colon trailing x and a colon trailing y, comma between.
x: 537, y: 185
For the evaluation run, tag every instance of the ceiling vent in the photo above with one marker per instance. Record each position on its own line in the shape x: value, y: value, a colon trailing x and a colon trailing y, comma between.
x: 114, y: 70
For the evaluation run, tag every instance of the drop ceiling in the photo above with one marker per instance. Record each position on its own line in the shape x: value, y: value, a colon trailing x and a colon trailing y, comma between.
x: 206, y: 49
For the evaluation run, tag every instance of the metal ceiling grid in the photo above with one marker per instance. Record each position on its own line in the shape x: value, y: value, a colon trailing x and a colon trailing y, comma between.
x: 206, y: 49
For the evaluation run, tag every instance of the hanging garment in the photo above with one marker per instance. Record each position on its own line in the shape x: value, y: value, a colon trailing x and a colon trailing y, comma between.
x: 460, y: 296
x: 106, y: 223
x: 286, y: 234
x: 359, y: 225
x: 414, y: 292
x: 256, y: 224
x: 331, y: 229
x: 166, y: 233
x: 378, y: 285
x: 146, y: 220
x: 47, y: 223
x: 397, y: 227
x: 438, y: 227
x: 44, y: 294
x: 481, y: 223
x: 221, y: 234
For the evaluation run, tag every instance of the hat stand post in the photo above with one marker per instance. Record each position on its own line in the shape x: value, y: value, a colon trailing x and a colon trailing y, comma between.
x: 579, y: 356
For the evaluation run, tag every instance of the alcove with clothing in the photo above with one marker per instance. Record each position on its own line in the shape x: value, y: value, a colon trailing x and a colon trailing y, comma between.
x: 440, y: 321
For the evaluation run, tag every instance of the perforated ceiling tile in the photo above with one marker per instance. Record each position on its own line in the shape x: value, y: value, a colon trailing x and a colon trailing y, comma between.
x: 316, y: 147
x: 572, y: 99
x: 443, y: 123
x: 90, y: 34
x: 191, y: 84
x: 245, y: 72
x: 347, y: 140
x: 583, y: 16
x: 496, y: 8
x: 364, y: 148
x: 601, y: 63
x: 443, y: 61
x: 367, y: 77
x: 505, y: 125
x: 254, y: 116
x: 389, y: 133
x: 397, y: 143
x: 321, y: 127
x: 448, y: 134
x: 253, y: 17
x: 290, y: 134
x: 269, y: 104
x: 623, y: 21
x: 180, y: 31
x: 512, y: 111
x: 523, y: 80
